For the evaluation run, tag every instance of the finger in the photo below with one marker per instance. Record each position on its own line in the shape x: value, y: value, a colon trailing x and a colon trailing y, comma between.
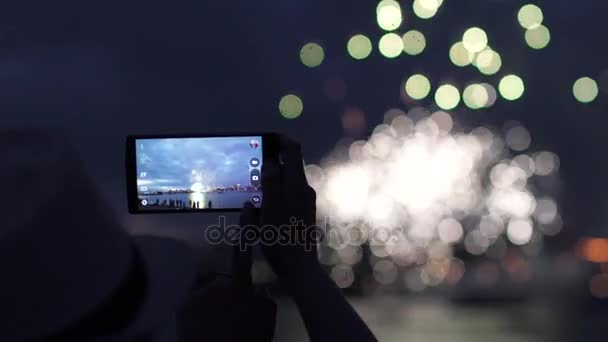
x: 271, y: 185
x: 293, y: 168
x: 249, y: 215
x: 242, y: 255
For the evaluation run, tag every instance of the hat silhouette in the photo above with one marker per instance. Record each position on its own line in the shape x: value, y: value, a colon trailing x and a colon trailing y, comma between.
x: 69, y: 270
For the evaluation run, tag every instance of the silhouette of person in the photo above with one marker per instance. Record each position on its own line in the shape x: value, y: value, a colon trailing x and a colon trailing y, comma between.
x: 210, y: 204
x: 146, y: 282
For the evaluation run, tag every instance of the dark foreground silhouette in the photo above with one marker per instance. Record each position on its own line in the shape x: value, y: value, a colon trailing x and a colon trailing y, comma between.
x: 78, y: 276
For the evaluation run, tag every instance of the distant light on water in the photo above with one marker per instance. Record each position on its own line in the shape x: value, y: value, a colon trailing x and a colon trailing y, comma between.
x: 359, y: 46
x: 511, y: 87
x: 390, y: 45
x: 417, y: 87
x: 414, y: 42
x: 585, y: 89
x: 538, y: 37
x: 312, y: 55
x: 291, y: 106
x: 447, y: 97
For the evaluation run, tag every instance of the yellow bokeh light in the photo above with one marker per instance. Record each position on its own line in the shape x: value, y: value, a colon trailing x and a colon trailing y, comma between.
x: 312, y: 55
x: 423, y: 12
x: 460, y: 56
x: 511, y: 87
x: 390, y: 45
x: 488, y: 62
x: 475, y: 96
x: 538, y: 38
x: 388, y: 15
x: 414, y: 42
x: 291, y: 106
x: 417, y: 87
x: 530, y: 16
x: 475, y: 39
x: 359, y: 47
x: 585, y: 89
x: 447, y: 97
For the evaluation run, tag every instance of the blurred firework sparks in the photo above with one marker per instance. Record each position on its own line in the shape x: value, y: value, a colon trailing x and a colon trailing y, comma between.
x: 417, y: 188
x: 420, y: 188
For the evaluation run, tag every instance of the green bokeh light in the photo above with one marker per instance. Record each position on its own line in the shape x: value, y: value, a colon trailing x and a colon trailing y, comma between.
x: 390, y: 45
x: 460, y: 56
x: 488, y: 61
x: 312, y: 55
x: 538, y: 38
x: 447, y: 97
x: 414, y: 42
x: 475, y: 39
x: 417, y: 87
x: 475, y: 96
x: 388, y: 15
x: 359, y: 47
x: 291, y: 106
x: 585, y: 89
x: 511, y: 87
x: 422, y: 11
x: 530, y: 16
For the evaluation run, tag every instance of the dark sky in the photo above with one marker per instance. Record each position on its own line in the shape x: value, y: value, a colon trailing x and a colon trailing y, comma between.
x: 105, y: 69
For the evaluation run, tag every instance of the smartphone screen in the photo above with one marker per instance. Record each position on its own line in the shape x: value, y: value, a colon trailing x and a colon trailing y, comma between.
x: 196, y: 173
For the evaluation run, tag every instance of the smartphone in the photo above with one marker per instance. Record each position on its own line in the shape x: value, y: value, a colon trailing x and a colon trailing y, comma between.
x: 196, y: 173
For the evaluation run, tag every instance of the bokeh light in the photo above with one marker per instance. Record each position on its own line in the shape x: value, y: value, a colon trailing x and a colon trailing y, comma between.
x: 545, y: 163
x: 291, y: 106
x: 488, y: 61
x: 312, y: 55
x: 518, y: 138
x: 424, y: 9
x: 414, y: 42
x: 447, y: 97
x: 492, y: 95
x: 594, y: 250
x: 585, y: 89
x: 390, y: 45
x: 538, y: 37
x: 388, y: 15
x: 511, y: 87
x: 530, y: 16
x: 599, y: 286
x: 422, y: 187
x: 460, y: 56
x: 417, y: 86
x: 519, y: 232
x: 475, y: 96
x: 475, y: 39
x: 359, y: 46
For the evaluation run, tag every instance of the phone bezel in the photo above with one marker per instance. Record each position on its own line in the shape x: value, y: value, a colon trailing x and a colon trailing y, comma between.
x: 270, y: 150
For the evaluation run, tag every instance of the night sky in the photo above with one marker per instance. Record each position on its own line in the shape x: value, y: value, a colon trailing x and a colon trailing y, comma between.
x: 106, y: 69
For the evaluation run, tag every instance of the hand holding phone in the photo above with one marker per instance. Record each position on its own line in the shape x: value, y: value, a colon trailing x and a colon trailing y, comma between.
x: 290, y: 207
